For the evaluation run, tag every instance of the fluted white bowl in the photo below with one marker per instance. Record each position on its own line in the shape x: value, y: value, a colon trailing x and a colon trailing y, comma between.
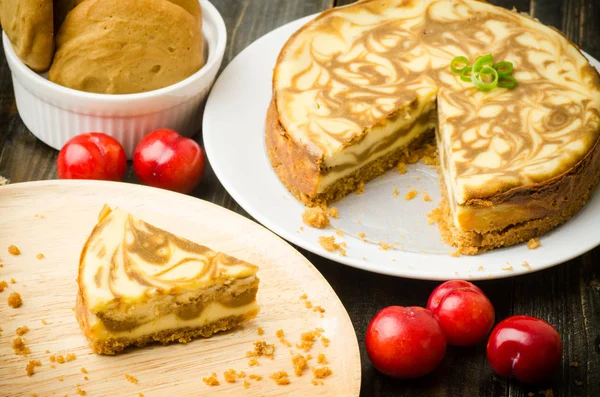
x: 55, y: 114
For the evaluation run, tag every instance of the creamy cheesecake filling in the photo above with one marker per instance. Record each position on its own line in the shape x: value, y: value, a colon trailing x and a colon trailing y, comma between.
x: 396, y: 132
x: 210, y: 314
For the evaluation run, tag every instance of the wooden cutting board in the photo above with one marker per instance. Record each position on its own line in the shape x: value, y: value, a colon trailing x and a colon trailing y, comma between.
x: 54, y: 218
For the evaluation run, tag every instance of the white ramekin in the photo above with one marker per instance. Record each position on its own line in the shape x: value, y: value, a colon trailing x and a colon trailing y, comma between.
x: 55, y: 114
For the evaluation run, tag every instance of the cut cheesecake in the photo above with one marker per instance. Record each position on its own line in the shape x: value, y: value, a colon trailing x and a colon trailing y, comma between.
x: 359, y: 86
x: 139, y: 284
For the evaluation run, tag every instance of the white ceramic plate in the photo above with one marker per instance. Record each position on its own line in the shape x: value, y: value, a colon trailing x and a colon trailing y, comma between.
x: 233, y: 130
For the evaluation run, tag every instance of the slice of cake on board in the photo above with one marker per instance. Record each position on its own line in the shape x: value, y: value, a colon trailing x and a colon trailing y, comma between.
x: 139, y: 284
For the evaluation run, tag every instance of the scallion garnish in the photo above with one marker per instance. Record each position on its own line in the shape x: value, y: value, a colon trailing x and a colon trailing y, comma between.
x: 485, y: 79
x: 484, y: 74
x: 459, y: 64
x: 484, y: 60
x: 503, y: 68
x: 507, y: 82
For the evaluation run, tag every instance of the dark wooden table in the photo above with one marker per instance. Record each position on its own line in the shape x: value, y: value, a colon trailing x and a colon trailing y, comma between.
x: 567, y: 296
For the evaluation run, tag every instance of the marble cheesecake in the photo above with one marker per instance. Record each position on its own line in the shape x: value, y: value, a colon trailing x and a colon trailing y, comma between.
x: 359, y: 86
x: 139, y: 284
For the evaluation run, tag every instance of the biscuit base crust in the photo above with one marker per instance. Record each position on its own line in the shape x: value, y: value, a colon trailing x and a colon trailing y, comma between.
x: 112, y: 346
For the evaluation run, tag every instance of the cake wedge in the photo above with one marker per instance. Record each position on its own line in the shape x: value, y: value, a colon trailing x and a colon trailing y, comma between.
x: 139, y: 284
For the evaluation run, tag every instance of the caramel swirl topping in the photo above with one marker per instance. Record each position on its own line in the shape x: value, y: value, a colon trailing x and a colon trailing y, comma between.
x: 144, y: 259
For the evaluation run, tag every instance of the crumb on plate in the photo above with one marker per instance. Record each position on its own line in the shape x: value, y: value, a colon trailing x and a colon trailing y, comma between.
x: 533, y: 243
x: 260, y: 331
x: 410, y: 195
x: 30, y: 368
x: 19, y: 347
x: 300, y: 364
x: 14, y: 300
x: 281, y: 378
x: 316, y: 217
x: 131, y: 379
x: 211, y: 380
x: 14, y: 250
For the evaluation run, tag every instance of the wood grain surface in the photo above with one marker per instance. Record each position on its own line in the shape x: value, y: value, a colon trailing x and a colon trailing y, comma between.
x: 33, y: 213
x: 567, y: 296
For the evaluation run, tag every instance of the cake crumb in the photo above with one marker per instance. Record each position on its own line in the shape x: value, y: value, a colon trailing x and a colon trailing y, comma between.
x: 401, y: 168
x: 526, y: 265
x: 308, y: 304
x: 230, y: 375
x: 316, y: 217
x: 307, y: 340
x: 19, y: 347
x: 211, y: 380
x: 426, y: 197
x: 303, y: 296
x: 14, y: 250
x: 396, y: 192
x: 70, y: 357
x: 14, y: 300
x: 246, y: 384
x: 255, y: 377
x: 480, y: 269
x: 131, y: 379
x: 321, y: 373
x: 281, y: 378
x: 300, y: 364
x: 339, y: 232
x: 13, y: 281
x: 3, y: 285
x: 260, y: 331
x: 80, y: 391
x: 280, y: 334
x: 333, y: 212
x: 140, y: 394
x: 60, y: 359
x: 328, y: 243
x: 40, y: 256
x: 362, y: 235
x: 321, y: 359
x: 455, y: 253
x: 262, y: 348
x: 52, y: 358
x: 86, y: 378
x: 44, y: 321
x: 47, y: 351
x: 252, y: 362
x: 360, y: 188
x: 22, y: 330
x: 410, y: 195
x: 30, y: 368
x: 84, y: 371
x: 325, y: 341
x: 533, y: 243
x: 318, y: 309
x: 384, y: 246
x: 508, y: 268
x: 317, y: 382
x: 60, y: 379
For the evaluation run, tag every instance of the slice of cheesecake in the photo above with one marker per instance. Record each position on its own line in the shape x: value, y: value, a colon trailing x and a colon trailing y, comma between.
x: 139, y: 284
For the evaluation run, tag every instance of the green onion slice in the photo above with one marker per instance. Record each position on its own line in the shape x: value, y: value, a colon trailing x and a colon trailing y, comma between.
x: 485, y: 79
x: 507, y: 82
x: 482, y: 61
x: 503, y: 68
x: 459, y: 64
x: 466, y: 75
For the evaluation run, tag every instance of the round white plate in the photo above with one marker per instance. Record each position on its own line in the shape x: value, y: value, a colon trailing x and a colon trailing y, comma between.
x: 234, y: 123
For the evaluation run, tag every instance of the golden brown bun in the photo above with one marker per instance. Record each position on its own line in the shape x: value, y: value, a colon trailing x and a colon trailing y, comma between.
x: 28, y: 24
x: 124, y: 47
